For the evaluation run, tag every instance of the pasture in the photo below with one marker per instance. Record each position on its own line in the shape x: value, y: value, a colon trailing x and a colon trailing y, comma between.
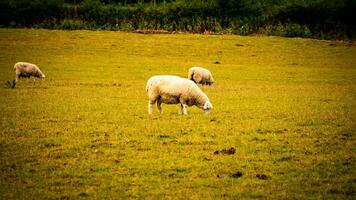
x: 286, y: 106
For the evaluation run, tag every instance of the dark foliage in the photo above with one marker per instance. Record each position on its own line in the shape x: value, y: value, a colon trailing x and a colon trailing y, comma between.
x: 316, y: 18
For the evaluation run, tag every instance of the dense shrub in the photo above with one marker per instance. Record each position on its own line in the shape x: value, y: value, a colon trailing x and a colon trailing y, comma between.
x: 69, y: 24
x: 293, y: 18
x: 287, y: 30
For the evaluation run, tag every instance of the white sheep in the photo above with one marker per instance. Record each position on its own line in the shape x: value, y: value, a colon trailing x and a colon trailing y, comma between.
x: 170, y: 89
x: 200, y: 76
x: 24, y: 69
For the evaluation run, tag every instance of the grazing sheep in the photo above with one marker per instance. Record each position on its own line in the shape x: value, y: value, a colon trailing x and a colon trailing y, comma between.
x: 24, y: 69
x: 200, y: 76
x: 174, y: 90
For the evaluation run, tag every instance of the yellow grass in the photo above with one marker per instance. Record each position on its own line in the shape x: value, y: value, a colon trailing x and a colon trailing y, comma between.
x: 286, y: 105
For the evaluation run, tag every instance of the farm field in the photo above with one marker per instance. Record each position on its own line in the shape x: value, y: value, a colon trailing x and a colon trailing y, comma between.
x: 287, y: 106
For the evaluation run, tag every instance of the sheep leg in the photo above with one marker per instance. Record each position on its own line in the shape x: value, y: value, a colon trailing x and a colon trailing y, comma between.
x: 183, y: 109
x: 159, y: 103
x: 150, y: 107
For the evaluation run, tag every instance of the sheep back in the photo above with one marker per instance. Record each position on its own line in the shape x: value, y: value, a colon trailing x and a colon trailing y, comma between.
x: 173, y: 89
x: 200, y: 76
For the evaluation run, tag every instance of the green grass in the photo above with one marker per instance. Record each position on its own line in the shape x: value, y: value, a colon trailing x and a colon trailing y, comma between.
x: 286, y: 105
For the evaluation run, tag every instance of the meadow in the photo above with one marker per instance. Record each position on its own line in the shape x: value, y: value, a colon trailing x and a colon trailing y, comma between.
x: 286, y: 105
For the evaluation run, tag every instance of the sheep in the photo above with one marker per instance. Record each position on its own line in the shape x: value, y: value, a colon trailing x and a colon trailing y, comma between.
x: 171, y: 89
x: 24, y: 69
x: 200, y: 76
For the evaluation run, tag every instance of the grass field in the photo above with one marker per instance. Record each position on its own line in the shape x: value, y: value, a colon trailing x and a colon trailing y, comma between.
x: 288, y: 107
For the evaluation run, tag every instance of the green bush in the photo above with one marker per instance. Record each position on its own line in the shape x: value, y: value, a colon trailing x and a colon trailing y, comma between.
x: 287, y: 30
x: 244, y: 30
x: 126, y: 26
x: 13, y: 24
x: 48, y: 24
x: 68, y: 24
x: 296, y: 30
x: 314, y: 18
x: 10, y: 84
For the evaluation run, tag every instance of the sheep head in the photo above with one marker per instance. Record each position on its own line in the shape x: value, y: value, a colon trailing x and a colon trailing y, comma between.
x: 207, y: 107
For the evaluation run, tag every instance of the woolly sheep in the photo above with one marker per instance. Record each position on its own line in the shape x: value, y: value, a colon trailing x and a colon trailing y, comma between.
x: 170, y: 89
x: 200, y: 76
x: 24, y: 69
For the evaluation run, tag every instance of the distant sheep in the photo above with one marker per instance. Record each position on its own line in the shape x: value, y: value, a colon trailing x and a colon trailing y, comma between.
x: 200, y: 76
x: 175, y: 90
x: 24, y: 69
